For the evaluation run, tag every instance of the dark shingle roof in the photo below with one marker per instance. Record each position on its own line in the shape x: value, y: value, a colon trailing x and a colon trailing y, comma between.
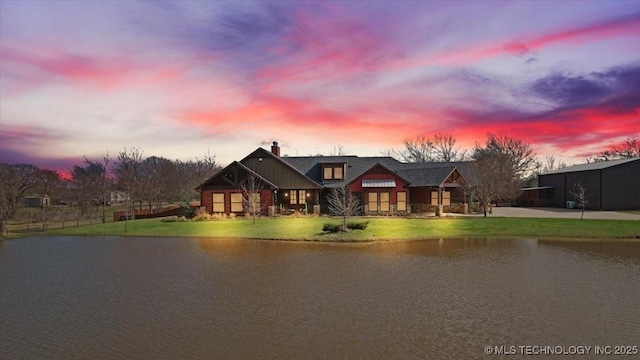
x: 418, y: 174
x: 311, y: 166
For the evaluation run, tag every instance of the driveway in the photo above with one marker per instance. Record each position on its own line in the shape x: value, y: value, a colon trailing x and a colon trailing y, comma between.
x: 561, y: 213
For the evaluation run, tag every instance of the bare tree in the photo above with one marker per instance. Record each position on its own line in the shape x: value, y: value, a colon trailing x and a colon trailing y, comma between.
x: 416, y: 149
x: 250, y: 190
x: 493, y: 180
x: 15, y: 180
x: 581, y: 196
x: 338, y: 150
x: 445, y: 148
x: 127, y: 171
x: 47, y: 181
x: 629, y: 148
x: 342, y: 203
x: 421, y: 148
x: 508, y: 161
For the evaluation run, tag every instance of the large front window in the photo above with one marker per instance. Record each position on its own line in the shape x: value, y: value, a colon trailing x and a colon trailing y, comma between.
x: 297, y: 197
x: 236, y: 202
x: 379, y: 201
x: 218, y: 203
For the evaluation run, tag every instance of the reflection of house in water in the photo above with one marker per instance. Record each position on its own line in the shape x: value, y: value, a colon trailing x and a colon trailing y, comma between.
x: 626, y: 249
x: 448, y: 247
x: 36, y: 200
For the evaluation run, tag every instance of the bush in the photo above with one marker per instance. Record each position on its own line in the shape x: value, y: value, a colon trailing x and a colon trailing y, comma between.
x: 169, y: 219
x: 217, y: 216
x: 357, y: 225
x: 187, y: 211
x: 332, y: 228
x: 202, y: 217
x: 182, y: 219
x: 231, y: 216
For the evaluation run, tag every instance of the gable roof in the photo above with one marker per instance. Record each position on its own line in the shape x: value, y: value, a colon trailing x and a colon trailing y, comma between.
x: 592, y: 166
x: 221, y: 173
x: 435, y: 173
x: 262, y: 153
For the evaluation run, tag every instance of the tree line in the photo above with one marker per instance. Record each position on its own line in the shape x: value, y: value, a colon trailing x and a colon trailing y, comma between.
x: 148, y: 181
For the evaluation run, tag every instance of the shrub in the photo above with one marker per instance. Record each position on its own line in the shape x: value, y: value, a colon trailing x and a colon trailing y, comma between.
x: 202, y: 217
x: 357, y: 225
x: 332, y: 228
x: 169, y: 219
x: 217, y: 216
x: 231, y: 216
x: 182, y: 219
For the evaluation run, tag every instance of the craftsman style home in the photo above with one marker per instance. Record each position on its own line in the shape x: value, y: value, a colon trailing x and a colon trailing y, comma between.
x: 383, y: 185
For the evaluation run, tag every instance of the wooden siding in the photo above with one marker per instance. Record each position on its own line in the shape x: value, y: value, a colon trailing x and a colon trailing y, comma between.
x: 278, y: 173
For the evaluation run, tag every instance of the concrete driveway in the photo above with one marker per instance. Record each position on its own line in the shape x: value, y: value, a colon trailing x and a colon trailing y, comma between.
x: 561, y: 213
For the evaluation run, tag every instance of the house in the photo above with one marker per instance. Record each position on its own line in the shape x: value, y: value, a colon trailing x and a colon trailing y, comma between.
x: 383, y: 185
x: 609, y: 185
x: 36, y: 200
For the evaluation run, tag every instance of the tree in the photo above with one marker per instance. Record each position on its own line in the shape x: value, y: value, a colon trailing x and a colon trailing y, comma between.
x: 47, y: 181
x: 629, y: 148
x: 416, y: 149
x: 581, y: 196
x: 500, y: 166
x: 445, y: 148
x: 250, y: 190
x: 127, y: 172
x: 91, y: 183
x: 421, y: 148
x: 342, y: 203
x: 15, y: 180
x: 493, y: 180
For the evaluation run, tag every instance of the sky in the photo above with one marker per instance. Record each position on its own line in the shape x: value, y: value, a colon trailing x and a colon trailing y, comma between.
x: 180, y: 79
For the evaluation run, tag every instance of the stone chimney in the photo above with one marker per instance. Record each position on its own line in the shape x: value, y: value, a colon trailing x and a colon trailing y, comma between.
x: 275, y: 149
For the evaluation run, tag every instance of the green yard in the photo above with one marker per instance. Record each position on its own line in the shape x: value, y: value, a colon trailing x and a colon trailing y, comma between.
x: 310, y: 228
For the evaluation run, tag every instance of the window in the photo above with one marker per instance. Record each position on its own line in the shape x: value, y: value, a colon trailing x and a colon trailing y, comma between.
x: 402, y: 201
x: 218, y: 203
x: 384, y: 202
x: 297, y: 197
x: 236, y: 203
x: 328, y: 173
x: 254, y: 200
x: 379, y: 201
x: 337, y: 173
x: 446, y: 198
x: 434, y: 198
x: 373, y: 201
x: 333, y: 172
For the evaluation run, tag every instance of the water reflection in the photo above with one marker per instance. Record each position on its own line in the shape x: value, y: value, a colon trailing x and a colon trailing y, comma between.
x: 167, y: 298
x: 615, y: 248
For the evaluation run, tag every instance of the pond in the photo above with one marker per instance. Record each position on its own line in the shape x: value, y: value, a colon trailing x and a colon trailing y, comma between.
x: 167, y: 298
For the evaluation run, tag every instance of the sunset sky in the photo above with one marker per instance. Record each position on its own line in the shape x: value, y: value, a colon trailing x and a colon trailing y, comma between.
x: 179, y: 78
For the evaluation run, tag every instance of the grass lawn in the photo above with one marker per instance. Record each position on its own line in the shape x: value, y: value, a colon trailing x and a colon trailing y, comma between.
x: 310, y: 228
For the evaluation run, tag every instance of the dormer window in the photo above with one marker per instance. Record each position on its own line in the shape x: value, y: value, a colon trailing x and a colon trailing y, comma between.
x: 333, y: 172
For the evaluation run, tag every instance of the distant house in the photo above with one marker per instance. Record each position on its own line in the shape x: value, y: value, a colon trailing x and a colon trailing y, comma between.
x: 610, y: 185
x: 383, y: 185
x: 36, y: 200
x: 118, y: 196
